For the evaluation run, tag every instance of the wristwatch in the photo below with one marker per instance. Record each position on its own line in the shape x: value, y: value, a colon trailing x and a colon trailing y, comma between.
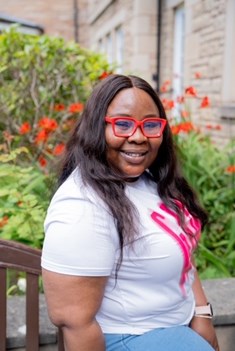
x: 204, y: 310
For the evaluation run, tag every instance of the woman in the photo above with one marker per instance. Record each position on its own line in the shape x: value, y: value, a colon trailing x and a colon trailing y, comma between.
x: 121, y: 229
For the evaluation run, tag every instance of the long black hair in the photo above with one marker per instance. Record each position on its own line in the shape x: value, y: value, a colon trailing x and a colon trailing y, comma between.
x: 86, y: 148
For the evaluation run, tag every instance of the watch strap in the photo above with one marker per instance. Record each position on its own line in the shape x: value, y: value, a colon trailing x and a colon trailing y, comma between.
x: 204, y: 310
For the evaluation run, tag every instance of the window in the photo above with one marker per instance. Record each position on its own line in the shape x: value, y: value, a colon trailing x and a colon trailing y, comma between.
x: 229, y: 58
x: 119, y: 50
x: 178, y: 54
x: 109, y: 48
x: 24, y: 27
x: 227, y: 111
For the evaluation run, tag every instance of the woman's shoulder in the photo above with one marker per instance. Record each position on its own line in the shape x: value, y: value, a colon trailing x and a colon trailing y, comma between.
x: 72, y: 183
x: 74, y: 191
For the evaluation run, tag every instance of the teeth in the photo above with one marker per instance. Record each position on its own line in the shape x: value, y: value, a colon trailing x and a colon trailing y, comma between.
x: 133, y: 154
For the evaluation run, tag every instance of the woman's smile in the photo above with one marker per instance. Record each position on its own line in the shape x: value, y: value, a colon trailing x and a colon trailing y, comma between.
x: 134, y: 156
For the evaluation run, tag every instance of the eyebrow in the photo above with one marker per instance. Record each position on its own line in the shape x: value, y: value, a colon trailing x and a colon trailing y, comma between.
x: 128, y: 115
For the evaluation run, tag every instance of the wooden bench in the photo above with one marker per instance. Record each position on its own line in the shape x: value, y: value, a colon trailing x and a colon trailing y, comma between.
x: 20, y: 257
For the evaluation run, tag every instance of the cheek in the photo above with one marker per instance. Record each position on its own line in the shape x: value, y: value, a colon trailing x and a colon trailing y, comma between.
x: 112, y: 142
x: 155, y: 145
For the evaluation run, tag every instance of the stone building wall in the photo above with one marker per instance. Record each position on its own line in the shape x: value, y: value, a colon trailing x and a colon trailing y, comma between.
x: 57, y: 17
x: 138, y: 21
x: 204, y: 52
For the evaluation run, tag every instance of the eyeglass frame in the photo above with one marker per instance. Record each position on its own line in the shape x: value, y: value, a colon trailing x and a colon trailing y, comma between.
x: 137, y: 123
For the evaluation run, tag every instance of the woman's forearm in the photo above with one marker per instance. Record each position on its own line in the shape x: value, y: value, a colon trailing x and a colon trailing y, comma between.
x: 199, y: 294
x: 85, y: 338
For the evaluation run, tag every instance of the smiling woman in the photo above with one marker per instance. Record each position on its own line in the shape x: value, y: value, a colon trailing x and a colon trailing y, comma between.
x: 121, y: 231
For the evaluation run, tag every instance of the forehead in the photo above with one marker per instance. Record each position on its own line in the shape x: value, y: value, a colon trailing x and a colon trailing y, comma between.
x: 132, y: 100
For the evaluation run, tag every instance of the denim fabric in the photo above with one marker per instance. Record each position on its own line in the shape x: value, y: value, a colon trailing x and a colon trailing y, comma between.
x: 181, y: 338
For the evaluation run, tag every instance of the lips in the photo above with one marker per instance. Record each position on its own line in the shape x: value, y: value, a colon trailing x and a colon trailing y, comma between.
x: 134, y: 157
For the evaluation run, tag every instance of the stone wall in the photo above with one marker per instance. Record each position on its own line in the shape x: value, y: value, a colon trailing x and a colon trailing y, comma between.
x: 138, y: 20
x: 57, y: 17
x: 203, y: 52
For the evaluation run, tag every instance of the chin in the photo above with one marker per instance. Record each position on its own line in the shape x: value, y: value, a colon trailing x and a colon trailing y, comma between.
x: 133, y: 175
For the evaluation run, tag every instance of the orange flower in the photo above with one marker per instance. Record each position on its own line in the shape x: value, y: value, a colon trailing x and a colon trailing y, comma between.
x: 25, y: 128
x: 58, y: 149
x: 104, y: 75
x: 3, y: 221
x: 205, y: 102
x: 42, y: 161
x: 59, y: 107
x: 184, y: 114
x: 77, y: 107
x: 175, y: 130
x: 41, y: 136
x: 48, y: 124
x: 191, y: 91
x: 186, y: 127
x: 168, y: 104
x: 230, y: 169
x: 197, y: 75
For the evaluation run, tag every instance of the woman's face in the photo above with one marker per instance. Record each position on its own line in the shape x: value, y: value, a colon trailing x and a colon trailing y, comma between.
x: 134, y: 154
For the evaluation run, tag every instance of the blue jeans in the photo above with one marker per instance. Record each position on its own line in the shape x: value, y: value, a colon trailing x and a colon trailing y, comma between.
x: 181, y: 338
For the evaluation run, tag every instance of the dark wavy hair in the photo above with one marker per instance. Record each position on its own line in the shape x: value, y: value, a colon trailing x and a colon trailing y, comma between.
x: 86, y: 148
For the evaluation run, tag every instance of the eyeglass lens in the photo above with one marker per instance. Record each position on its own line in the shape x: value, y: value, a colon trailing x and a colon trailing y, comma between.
x: 150, y: 127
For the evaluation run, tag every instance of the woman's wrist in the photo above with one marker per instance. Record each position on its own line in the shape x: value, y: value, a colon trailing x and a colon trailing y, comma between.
x: 204, y: 311
x: 202, y: 316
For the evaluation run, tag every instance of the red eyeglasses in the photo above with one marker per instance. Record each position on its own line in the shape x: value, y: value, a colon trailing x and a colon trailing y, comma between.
x: 126, y: 126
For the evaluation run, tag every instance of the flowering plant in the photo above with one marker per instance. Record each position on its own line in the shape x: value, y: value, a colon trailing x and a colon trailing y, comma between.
x: 44, y: 84
x: 210, y: 169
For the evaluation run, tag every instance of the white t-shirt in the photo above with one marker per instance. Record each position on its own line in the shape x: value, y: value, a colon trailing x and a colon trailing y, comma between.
x: 153, y: 288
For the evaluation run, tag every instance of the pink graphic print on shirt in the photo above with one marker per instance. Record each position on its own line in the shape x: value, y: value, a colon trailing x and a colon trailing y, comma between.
x: 187, y: 240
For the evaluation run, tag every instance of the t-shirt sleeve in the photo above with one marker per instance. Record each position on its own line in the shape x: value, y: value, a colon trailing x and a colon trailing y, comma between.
x: 80, y: 236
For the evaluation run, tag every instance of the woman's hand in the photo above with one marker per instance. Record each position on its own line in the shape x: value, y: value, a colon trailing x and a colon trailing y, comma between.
x: 205, y: 328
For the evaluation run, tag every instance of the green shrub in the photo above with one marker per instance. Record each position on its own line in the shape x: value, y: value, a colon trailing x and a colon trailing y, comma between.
x: 44, y: 83
x: 24, y: 197
x: 207, y: 168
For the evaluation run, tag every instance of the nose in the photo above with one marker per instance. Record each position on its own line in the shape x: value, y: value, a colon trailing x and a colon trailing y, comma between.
x: 137, y: 136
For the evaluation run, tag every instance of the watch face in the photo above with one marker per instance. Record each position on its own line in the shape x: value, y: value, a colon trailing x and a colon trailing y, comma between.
x: 211, y: 310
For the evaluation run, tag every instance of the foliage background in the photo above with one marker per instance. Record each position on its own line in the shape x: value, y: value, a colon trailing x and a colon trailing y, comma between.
x: 44, y: 83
